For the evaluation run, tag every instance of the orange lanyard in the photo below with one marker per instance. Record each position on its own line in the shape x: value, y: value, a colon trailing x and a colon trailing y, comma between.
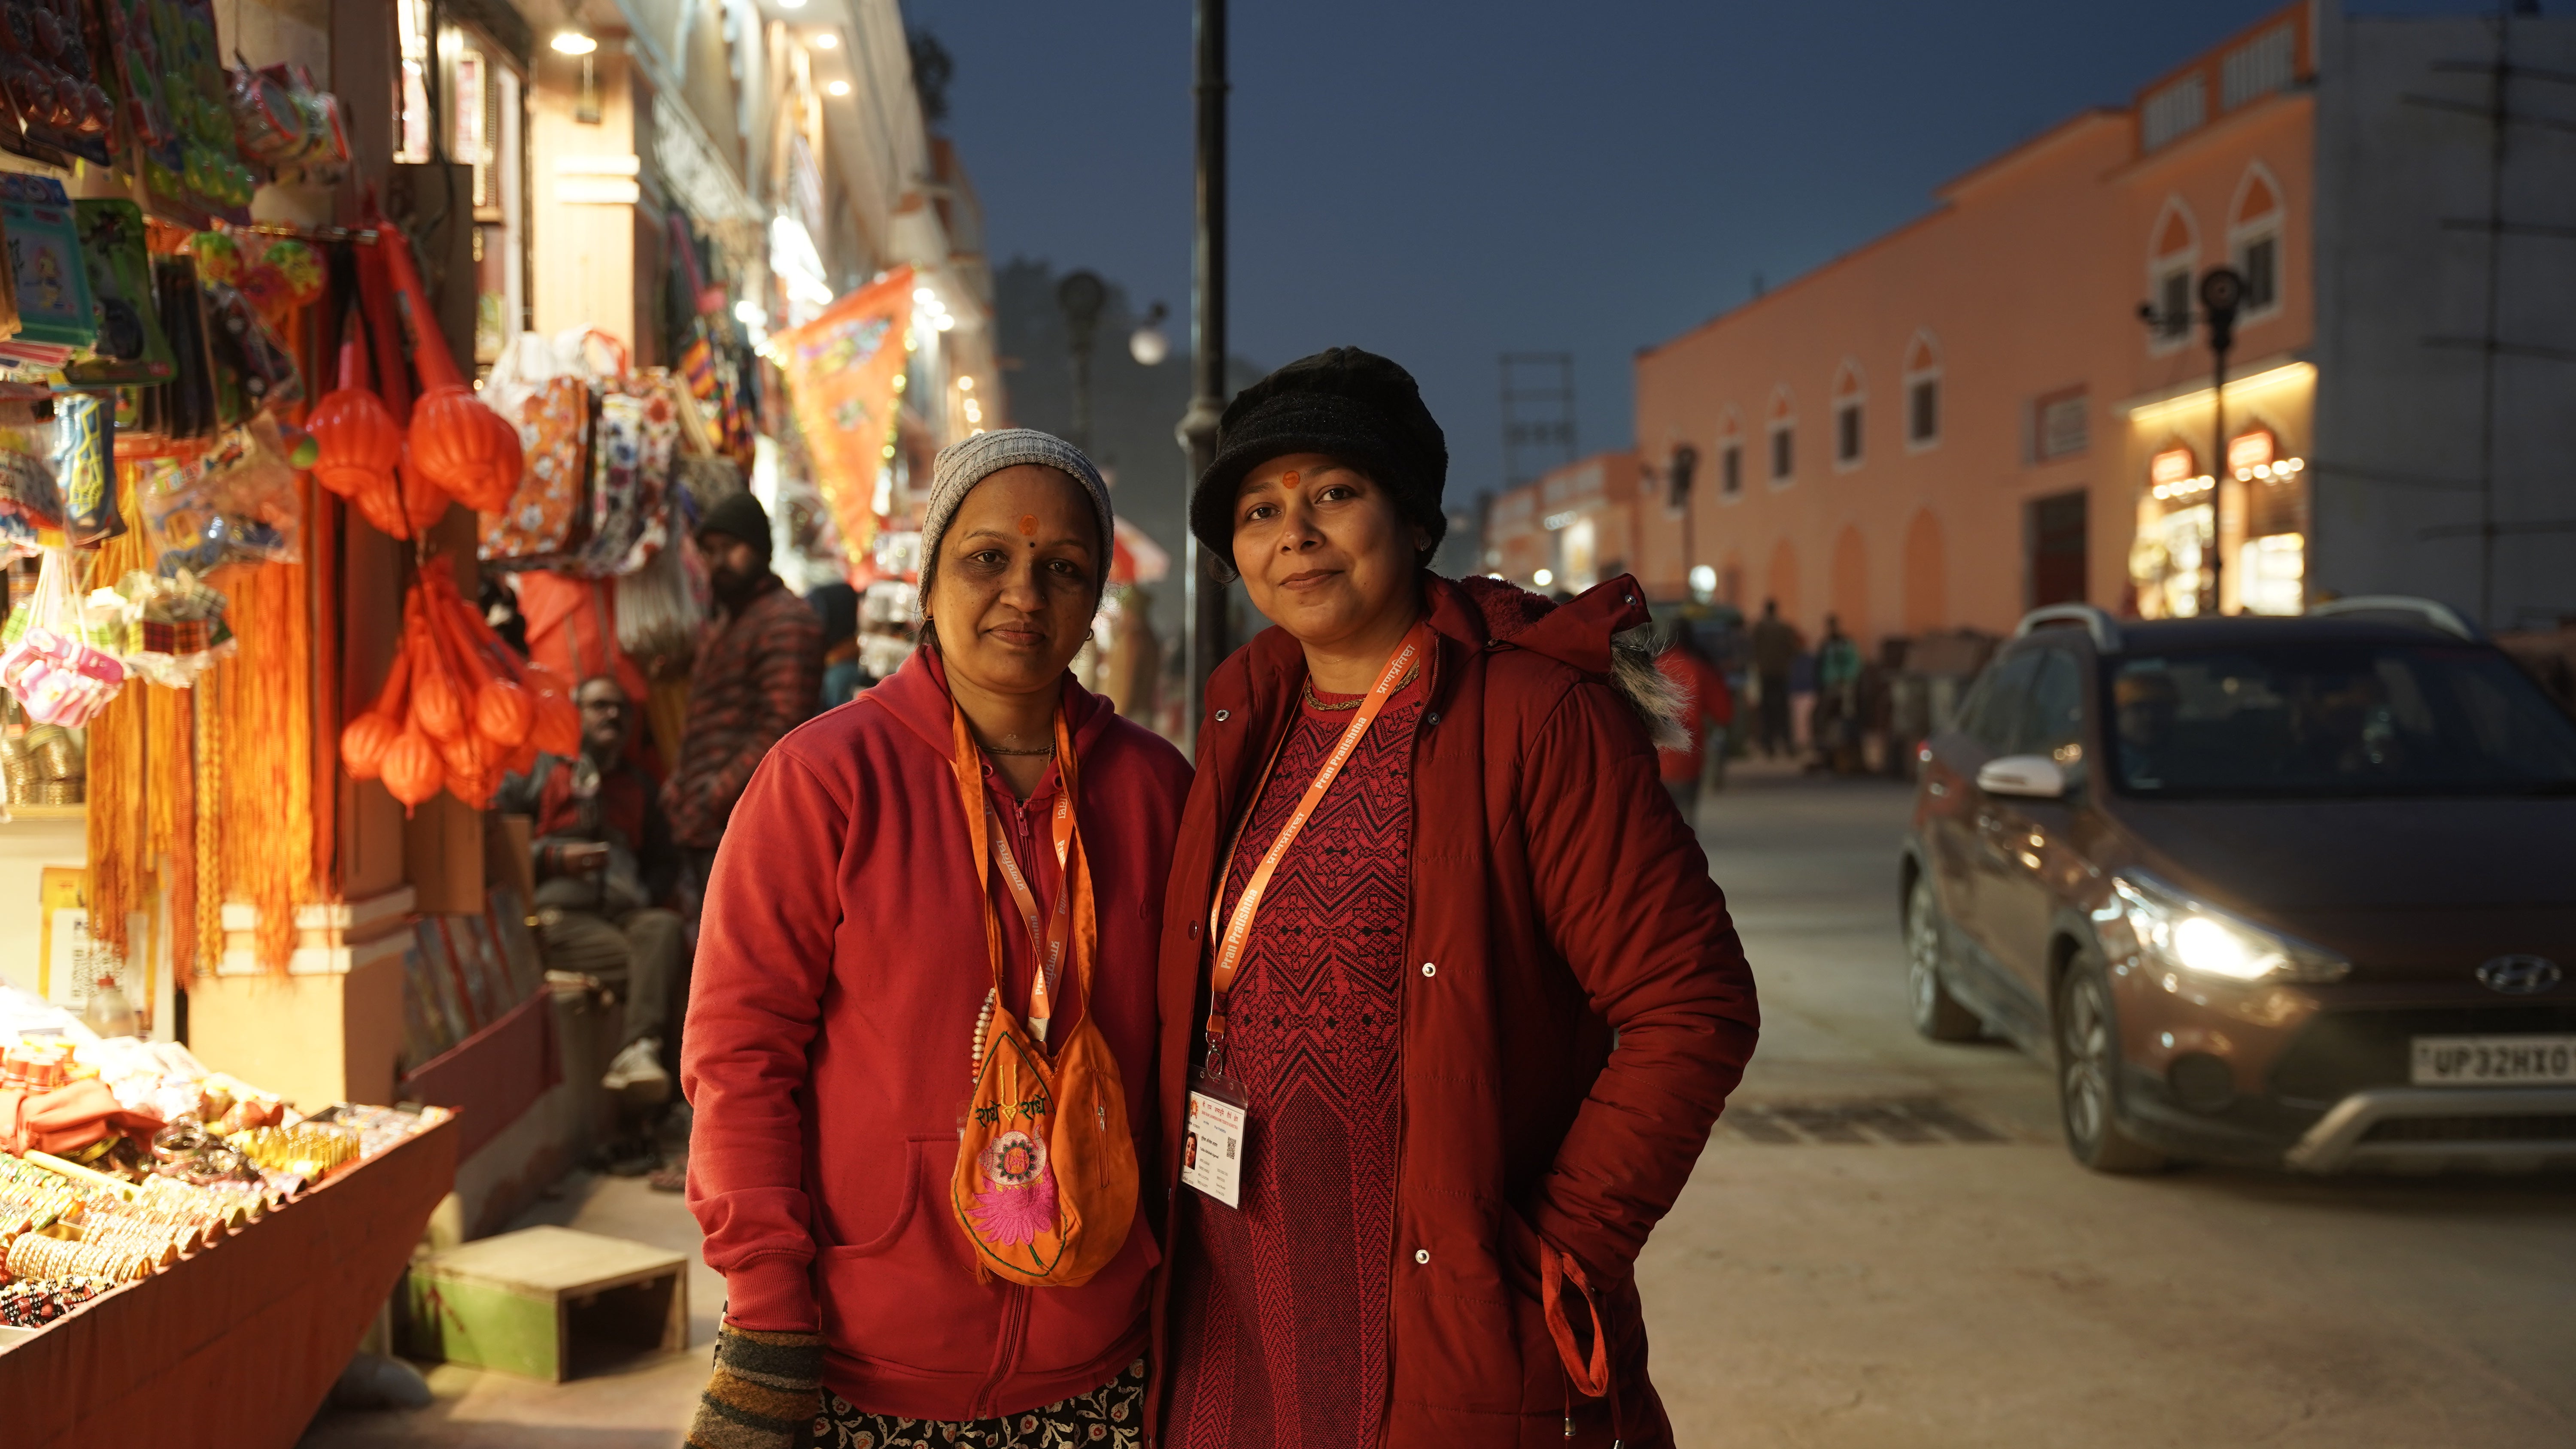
x: 1050, y: 947
x: 991, y: 848
x: 1238, y: 931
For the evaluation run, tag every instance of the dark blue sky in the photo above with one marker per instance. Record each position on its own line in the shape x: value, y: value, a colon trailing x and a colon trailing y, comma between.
x: 1442, y: 183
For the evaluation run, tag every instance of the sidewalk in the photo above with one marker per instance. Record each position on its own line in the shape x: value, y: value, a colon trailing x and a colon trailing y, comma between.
x: 646, y: 1404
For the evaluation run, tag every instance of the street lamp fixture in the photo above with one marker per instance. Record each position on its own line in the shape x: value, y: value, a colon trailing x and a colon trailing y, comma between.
x: 2222, y: 292
x: 1148, y: 345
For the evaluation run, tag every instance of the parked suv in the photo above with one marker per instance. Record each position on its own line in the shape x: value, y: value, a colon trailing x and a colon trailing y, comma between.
x: 2280, y: 891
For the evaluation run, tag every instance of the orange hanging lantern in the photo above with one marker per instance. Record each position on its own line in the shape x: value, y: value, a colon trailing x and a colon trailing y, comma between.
x: 354, y: 433
x: 503, y: 713
x: 423, y: 503
x: 411, y: 768
x: 462, y: 446
x: 364, y: 742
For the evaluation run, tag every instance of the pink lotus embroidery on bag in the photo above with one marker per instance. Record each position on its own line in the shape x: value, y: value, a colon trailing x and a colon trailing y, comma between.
x: 1018, y: 1202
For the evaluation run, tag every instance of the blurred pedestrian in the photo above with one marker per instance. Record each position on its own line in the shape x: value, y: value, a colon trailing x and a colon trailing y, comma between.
x: 1471, y: 985
x: 836, y: 605
x: 604, y: 863
x: 1707, y: 708
x: 758, y: 674
x: 1838, y: 716
x: 1775, y: 653
x: 873, y: 942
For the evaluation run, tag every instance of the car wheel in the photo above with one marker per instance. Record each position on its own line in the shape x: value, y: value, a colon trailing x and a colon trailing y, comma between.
x: 2088, y: 1075
x: 1937, y: 1014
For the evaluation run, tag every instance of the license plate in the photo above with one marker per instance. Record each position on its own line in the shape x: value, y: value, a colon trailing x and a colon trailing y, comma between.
x: 2493, y: 1061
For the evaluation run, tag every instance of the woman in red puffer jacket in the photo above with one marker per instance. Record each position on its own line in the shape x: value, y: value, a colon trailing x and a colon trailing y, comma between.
x: 1438, y: 938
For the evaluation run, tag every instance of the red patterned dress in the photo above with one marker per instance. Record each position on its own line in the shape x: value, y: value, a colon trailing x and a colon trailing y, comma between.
x: 1279, y: 1340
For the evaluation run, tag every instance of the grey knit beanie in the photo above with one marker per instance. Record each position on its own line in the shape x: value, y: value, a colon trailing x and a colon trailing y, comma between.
x: 969, y: 461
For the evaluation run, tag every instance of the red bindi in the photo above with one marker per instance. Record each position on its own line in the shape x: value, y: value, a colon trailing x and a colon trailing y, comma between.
x: 1290, y: 481
x: 1028, y: 525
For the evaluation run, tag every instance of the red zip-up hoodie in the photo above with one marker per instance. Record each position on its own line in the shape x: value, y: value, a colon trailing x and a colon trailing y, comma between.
x: 840, y: 967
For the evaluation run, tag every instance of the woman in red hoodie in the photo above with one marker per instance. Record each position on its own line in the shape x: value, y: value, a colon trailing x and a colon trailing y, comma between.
x: 856, y: 961
x: 1449, y: 1000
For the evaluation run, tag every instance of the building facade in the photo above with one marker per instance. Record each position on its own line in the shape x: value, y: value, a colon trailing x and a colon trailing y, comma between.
x: 1570, y: 528
x: 2009, y: 402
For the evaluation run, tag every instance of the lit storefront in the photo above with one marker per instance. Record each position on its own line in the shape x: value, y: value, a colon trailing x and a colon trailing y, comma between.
x: 2252, y: 513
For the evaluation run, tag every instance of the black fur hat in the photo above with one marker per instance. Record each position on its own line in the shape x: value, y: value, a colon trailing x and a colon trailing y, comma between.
x: 1348, y: 404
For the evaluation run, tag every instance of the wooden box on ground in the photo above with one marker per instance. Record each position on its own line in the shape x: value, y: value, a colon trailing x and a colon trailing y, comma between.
x: 547, y: 1303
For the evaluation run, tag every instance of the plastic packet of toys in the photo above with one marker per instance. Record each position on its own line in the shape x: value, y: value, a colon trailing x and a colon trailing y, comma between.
x: 237, y: 504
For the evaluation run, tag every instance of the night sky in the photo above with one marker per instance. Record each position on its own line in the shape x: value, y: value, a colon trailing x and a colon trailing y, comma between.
x: 1442, y: 183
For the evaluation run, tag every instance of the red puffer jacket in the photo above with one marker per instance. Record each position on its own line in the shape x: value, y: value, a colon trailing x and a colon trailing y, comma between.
x: 1558, y: 905
x: 839, y: 972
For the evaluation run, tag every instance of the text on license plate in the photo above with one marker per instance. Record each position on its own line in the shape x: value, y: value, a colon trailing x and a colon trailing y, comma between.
x: 2443, y: 1061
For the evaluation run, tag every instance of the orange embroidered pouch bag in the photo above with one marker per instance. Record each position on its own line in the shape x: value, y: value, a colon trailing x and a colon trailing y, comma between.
x: 1046, y: 1179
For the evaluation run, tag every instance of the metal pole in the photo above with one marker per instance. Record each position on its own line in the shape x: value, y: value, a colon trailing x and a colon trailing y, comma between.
x: 2218, y: 472
x: 1204, y: 575
x: 2222, y: 291
x: 1080, y: 296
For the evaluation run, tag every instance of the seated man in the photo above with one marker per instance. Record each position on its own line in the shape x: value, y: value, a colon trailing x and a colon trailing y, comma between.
x: 603, y: 855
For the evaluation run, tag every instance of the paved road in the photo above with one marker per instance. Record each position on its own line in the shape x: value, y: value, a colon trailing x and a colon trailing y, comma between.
x: 1957, y: 1291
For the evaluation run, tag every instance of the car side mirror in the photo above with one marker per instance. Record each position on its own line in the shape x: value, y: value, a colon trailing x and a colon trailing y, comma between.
x: 2032, y: 777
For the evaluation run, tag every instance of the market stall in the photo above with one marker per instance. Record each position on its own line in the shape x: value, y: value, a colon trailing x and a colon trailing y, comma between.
x: 165, y: 1228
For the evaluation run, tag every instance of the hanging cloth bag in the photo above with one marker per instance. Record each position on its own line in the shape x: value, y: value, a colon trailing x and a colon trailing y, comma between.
x: 1045, y: 1184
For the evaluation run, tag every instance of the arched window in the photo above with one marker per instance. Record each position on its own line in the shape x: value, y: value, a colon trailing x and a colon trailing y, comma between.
x: 1851, y: 394
x: 1922, y: 393
x: 1781, y: 422
x: 2173, y: 254
x: 1730, y: 455
x: 2254, y: 241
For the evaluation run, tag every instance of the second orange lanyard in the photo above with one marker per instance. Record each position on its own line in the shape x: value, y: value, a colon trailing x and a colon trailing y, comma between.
x: 1049, y: 944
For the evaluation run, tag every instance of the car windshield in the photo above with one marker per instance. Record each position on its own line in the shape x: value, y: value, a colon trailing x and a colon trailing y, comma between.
x: 2336, y: 720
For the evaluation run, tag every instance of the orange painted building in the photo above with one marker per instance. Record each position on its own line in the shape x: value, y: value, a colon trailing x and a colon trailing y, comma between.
x: 1969, y: 416
x: 1572, y: 527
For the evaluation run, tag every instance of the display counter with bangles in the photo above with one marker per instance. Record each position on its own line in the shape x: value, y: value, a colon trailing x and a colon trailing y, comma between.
x: 152, y: 1211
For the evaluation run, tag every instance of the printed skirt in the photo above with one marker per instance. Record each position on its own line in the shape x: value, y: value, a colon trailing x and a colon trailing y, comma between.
x: 1111, y: 1416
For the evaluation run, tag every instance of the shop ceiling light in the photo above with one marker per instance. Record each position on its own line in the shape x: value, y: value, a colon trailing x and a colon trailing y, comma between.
x: 825, y: 40
x: 573, y: 40
x: 791, y: 4
x: 838, y: 88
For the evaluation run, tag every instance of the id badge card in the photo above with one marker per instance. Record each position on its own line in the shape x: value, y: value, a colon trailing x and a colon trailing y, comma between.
x: 1214, y: 1138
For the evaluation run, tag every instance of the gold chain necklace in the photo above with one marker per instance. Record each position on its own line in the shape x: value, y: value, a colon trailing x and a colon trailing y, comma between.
x: 1354, y: 702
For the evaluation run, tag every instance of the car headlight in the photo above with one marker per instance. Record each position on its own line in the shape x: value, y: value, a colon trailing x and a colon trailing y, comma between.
x: 2177, y: 933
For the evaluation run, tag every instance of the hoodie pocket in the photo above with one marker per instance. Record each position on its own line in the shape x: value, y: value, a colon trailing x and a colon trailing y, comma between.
x: 908, y: 1298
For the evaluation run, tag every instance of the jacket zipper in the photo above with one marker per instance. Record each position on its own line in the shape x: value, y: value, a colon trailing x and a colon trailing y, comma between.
x: 1412, y: 884
x: 1006, y: 1350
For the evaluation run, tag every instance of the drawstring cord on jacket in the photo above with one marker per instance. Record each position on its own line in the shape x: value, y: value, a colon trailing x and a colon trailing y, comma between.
x: 1594, y: 1378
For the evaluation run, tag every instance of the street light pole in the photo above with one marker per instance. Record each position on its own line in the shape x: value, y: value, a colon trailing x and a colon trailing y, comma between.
x: 1203, y: 574
x: 1080, y: 296
x: 2221, y: 291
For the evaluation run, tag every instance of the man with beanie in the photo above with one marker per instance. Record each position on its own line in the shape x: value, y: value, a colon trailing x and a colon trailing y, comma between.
x: 759, y: 674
